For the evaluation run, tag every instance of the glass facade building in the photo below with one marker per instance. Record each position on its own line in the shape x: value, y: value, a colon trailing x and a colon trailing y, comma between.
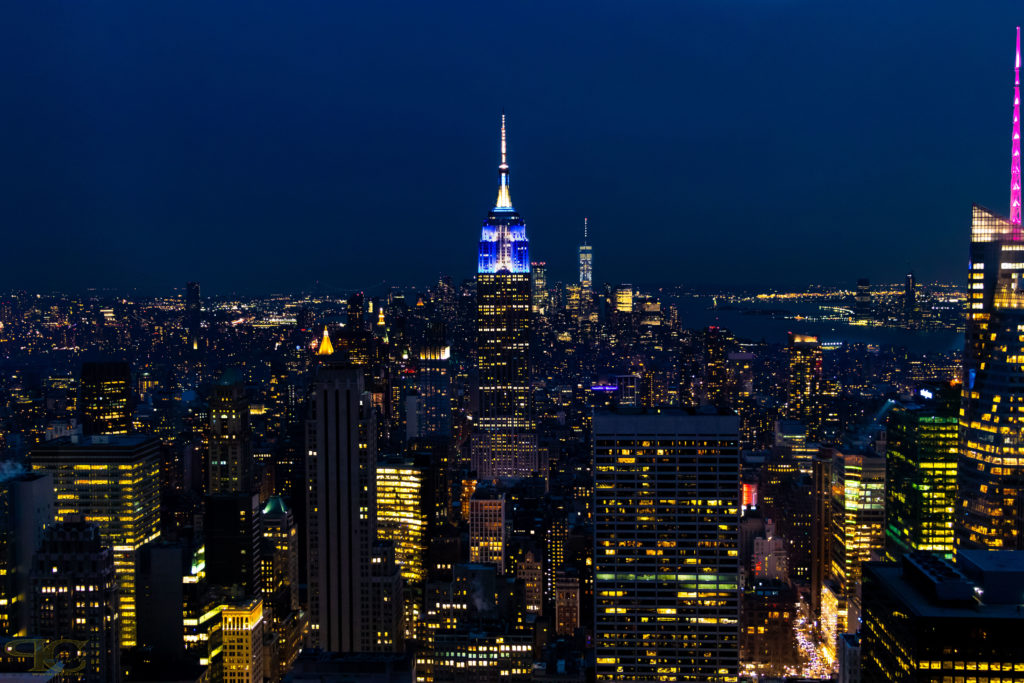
x: 920, y: 479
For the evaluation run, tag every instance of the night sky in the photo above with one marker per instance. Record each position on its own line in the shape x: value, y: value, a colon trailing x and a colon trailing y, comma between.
x: 264, y: 146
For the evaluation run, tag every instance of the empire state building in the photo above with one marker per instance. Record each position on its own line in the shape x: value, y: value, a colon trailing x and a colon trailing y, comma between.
x: 504, y: 444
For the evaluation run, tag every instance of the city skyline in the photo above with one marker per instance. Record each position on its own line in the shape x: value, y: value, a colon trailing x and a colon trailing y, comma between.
x: 666, y: 144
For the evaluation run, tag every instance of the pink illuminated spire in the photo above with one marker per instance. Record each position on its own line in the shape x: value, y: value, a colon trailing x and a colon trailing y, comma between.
x: 1015, y: 153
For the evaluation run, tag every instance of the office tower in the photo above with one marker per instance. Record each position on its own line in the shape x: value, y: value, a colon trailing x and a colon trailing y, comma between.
x: 862, y: 300
x: 666, y: 533
x: 990, y: 510
x: 193, y: 314
x: 74, y: 601
x: 105, y: 399
x: 341, y: 475
x: 791, y: 442
x: 488, y: 531
x: 26, y: 509
x: 503, y: 314
x: 623, y: 299
x: 539, y: 286
x: 355, y: 308
x: 402, y: 520
x: 160, y: 598
x: 279, y: 560
x: 434, y: 385
x: 231, y: 529
x: 230, y: 436
x: 920, y: 478
x: 243, y: 625
x: 857, y: 518
x: 503, y: 333
x: 113, y: 481
x: 586, y: 262
x: 927, y: 619
x: 821, y: 526
x: 804, y: 383
x: 717, y: 345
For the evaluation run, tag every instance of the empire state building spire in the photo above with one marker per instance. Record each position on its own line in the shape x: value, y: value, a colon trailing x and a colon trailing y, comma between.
x: 504, y: 200
x: 1015, y: 153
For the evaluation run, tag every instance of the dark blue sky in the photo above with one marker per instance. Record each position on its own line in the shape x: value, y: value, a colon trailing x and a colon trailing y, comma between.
x: 260, y: 146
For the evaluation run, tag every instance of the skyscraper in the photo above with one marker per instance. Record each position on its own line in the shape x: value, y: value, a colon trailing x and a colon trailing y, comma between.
x: 113, y: 481
x: 666, y: 532
x: 586, y: 262
x: 504, y: 301
x: 803, y: 386
x: 105, y: 400
x: 862, y: 299
x: 279, y: 560
x: 920, y: 478
x: 243, y: 627
x: 341, y: 466
x: 230, y: 446
x: 857, y: 518
x: 402, y: 520
x: 991, y: 470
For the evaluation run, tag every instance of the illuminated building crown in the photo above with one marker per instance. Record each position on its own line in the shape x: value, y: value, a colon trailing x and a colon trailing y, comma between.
x: 503, y: 243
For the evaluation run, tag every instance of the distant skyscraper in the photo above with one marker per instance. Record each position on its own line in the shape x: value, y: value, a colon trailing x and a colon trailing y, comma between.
x: 74, y: 600
x: 105, y: 399
x: 623, y: 299
x: 113, y: 481
x: 539, y: 286
x: 910, y: 312
x: 991, y: 471
x: 920, y: 479
x: 504, y: 302
x: 230, y: 436
x: 804, y: 384
x: 862, y: 299
x: 586, y: 262
x: 666, y: 559
x: 341, y: 465
x: 193, y: 314
x: 434, y: 385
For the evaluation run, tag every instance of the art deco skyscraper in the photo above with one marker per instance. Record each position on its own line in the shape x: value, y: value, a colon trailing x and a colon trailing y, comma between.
x: 503, y: 290
x: 341, y: 472
x: 990, y: 509
x: 666, y: 558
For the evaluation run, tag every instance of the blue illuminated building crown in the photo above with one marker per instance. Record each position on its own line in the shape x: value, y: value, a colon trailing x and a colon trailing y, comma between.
x: 503, y: 243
